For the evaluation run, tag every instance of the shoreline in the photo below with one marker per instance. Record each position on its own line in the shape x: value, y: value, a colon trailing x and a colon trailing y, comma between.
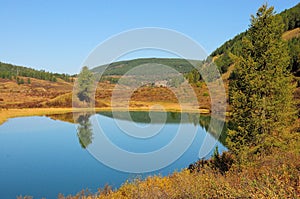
x: 6, y: 114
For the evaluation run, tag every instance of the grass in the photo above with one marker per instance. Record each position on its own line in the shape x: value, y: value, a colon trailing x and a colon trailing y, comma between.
x: 291, y: 34
x: 274, y: 176
x: 5, y: 114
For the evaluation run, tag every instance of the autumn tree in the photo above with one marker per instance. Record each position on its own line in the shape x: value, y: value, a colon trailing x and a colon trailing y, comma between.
x: 261, y: 93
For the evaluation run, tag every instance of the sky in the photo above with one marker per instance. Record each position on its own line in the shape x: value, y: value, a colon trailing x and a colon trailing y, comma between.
x: 58, y: 36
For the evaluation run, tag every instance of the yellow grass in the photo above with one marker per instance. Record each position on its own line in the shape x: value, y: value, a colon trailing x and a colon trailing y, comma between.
x: 6, y: 114
x: 291, y: 34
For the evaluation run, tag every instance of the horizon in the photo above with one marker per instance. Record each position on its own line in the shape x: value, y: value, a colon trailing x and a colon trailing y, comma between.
x: 59, y: 38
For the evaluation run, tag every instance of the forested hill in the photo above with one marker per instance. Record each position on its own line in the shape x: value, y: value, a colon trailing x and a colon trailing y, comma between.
x: 13, y: 72
x: 121, y: 67
x: 291, y: 20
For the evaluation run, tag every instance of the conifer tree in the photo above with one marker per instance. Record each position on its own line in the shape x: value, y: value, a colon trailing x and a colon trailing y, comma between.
x: 261, y: 93
x: 86, y: 87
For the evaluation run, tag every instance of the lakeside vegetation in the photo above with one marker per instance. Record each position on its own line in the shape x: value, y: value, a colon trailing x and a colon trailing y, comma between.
x: 264, y: 138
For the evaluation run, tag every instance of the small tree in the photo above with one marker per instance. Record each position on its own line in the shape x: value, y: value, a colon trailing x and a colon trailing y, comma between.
x: 260, y: 88
x: 85, y: 86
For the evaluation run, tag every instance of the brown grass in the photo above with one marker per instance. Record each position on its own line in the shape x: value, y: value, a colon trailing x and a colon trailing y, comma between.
x: 291, y: 34
x: 275, y: 176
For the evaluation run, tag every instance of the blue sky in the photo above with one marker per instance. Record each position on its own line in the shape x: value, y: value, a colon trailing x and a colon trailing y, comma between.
x: 58, y: 35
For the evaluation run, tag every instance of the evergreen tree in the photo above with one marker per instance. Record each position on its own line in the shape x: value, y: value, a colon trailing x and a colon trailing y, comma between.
x: 85, y: 86
x: 260, y: 88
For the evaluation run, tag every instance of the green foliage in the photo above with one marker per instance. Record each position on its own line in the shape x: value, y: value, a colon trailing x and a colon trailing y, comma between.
x: 223, y: 62
x: 260, y: 88
x: 232, y: 45
x: 291, y: 17
x: 193, y: 76
x: 9, y: 71
x: 121, y: 67
x: 291, y: 20
x: 205, y: 94
x: 20, y: 81
x: 221, y: 163
x: 86, y: 81
x: 294, y: 51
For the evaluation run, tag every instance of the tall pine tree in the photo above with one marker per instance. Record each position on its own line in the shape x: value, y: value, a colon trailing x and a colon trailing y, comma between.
x: 86, y: 85
x: 261, y: 93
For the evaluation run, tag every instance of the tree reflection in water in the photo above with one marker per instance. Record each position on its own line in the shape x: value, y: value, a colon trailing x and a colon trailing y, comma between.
x: 84, y: 130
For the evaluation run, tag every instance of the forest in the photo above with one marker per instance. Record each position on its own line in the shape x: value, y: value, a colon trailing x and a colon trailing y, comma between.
x: 13, y: 72
x: 291, y: 21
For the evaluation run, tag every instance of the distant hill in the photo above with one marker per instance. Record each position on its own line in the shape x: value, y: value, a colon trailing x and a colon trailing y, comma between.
x: 13, y: 72
x: 291, y: 19
x: 121, y: 67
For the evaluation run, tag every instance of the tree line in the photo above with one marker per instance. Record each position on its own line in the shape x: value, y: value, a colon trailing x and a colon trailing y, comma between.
x: 290, y: 19
x: 12, y: 72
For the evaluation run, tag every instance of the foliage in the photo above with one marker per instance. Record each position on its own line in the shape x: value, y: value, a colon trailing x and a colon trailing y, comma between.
x: 220, y: 163
x: 275, y: 176
x: 20, y: 80
x: 291, y: 17
x: 86, y: 81
x: 9, y: 71
x: 223, y: 62
x: 294, y: 51
x: 121, y: 67
x: 193, y: 76
x: 260, y: 88
x: 291, y: 20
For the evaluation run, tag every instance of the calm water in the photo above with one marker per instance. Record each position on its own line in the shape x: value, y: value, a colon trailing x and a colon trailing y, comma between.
x: 43, y: 156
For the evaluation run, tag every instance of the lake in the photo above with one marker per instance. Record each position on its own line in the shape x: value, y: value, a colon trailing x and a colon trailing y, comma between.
x: 45, y: 156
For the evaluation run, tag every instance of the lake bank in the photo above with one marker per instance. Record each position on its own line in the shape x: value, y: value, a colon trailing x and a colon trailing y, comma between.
x: 6, y: 114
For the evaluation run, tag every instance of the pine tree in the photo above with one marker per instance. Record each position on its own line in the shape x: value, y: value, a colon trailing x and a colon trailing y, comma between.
x: 85, y: 86
x: 261, y: 93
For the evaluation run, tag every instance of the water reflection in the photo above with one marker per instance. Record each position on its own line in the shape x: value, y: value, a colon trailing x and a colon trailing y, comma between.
x: 51, y: 152
x: 175, y: 118
x: 85, y: 134
x: 84, y: 130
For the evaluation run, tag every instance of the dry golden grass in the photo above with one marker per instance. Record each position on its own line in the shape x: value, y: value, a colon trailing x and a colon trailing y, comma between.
x: 274, y: 176
x: 291, y: 34
x: 30, y: 95
x: 5, y: 114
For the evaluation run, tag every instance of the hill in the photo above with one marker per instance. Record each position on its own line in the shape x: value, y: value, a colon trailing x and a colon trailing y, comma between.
x: 12, y: 72
x: 31, y: 95
x: 121, y: 67
x: 291, y: 20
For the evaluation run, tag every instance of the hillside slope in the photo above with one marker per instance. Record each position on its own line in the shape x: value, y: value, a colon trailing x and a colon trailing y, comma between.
x: 30, y: 95
x: 121, y: 67
x: 291, y: 20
